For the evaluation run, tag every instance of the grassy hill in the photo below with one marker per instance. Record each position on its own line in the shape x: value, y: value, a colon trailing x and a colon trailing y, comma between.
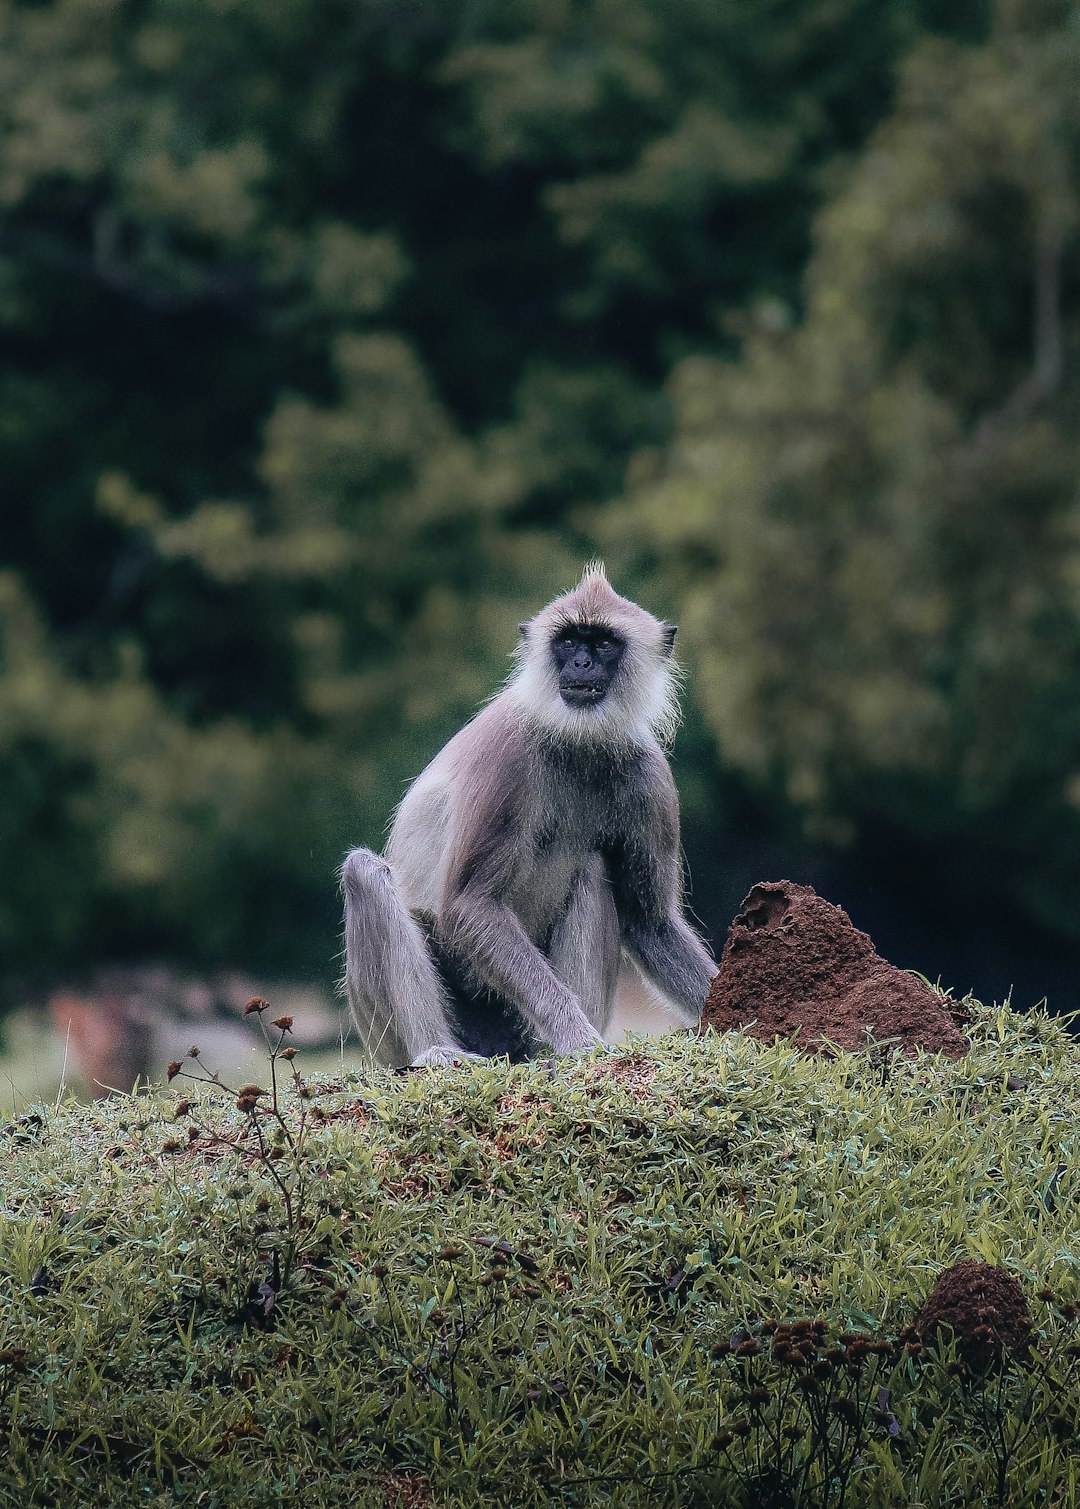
x: 553, y: 1283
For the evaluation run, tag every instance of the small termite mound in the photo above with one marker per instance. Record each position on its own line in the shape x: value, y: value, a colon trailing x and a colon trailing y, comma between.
x: 983, y: 1307
x: 795, y: 966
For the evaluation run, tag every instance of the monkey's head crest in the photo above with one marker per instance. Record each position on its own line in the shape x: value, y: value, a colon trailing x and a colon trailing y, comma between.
x: 639, y: 703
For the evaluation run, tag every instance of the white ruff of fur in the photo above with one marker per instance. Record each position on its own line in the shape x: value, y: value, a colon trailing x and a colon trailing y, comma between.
x: 642, y: 704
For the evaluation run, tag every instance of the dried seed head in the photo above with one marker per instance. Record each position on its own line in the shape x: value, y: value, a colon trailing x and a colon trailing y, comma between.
x: 193, y: 1051
x: 288, y: 1053
x: 174, y: 1068
x: 283, y: 1022
x: 256, y: 1004
x: 182, y: 1108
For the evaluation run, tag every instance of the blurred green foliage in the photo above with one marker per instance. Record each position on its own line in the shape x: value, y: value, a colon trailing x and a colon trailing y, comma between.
x: 872, y: 515
x: 332, y: 337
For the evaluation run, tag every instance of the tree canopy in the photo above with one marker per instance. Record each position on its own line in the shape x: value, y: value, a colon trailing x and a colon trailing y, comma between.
x: 872, y: 514
x: 333, y: 335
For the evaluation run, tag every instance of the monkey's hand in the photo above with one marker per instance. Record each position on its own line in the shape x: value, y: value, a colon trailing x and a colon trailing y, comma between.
x: 576, y: 1036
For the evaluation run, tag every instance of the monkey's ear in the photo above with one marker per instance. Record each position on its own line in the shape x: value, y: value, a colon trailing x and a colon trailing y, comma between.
x: 523, y: 629
x: 670, y: 630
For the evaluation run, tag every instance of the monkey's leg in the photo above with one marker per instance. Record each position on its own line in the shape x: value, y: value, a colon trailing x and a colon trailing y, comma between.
x: 639, y: 1006
x: 395, y: 994
x: 584, y: 948
x: 675, y: 963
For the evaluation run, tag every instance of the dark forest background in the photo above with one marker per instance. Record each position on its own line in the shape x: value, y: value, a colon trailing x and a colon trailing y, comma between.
x: 335, y: 336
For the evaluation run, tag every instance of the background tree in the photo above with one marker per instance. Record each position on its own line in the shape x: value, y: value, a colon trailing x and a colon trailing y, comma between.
x: 328, y: 335
x: 872, y: 516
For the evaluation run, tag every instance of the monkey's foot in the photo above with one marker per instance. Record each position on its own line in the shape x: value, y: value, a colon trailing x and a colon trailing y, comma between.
x: 443, y: 1058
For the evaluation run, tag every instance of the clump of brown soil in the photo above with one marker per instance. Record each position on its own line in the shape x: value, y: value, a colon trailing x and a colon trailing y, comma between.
x: 795, y: 966
x: 985, y: 1309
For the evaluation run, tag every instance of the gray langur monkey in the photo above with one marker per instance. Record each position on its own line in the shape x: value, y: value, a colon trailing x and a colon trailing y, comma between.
x: 531, y: 889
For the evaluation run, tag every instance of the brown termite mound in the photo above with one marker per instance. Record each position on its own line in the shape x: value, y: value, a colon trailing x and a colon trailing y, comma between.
x: 795, y: 966
x: 983, y: 1307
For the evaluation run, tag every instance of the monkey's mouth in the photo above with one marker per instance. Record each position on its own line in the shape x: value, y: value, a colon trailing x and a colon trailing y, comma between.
x: 584, y: 695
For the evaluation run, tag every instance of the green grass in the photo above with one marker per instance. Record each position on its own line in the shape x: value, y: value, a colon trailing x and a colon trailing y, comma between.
x: 652, y: 1200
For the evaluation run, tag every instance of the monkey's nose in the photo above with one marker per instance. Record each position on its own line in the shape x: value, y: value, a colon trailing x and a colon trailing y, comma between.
x: 582, y: 662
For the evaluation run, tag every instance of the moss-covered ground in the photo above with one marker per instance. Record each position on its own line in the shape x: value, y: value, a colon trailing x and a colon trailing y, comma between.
x: 508, y: 1285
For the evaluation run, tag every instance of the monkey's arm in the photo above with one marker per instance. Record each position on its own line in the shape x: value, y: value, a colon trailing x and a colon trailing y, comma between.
x: 646, y: 876
x: 487, y: 934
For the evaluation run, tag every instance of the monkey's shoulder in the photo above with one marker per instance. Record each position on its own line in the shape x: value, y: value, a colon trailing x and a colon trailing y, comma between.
x: 489, y: 740
x: 496, y: 741
x: 497, y: 776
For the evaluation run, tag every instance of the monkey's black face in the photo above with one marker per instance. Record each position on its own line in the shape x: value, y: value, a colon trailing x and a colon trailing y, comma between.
x: 586, y: 658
